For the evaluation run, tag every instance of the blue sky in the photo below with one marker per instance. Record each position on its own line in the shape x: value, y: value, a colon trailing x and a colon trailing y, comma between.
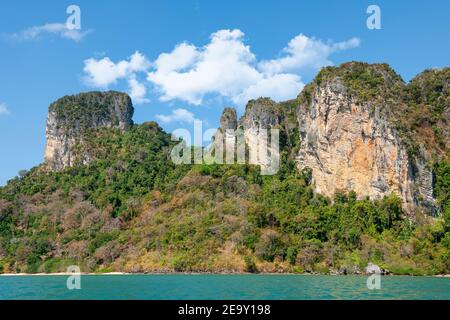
x: 227, y: 51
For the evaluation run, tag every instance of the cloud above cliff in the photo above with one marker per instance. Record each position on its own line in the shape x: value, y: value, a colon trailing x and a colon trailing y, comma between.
x: 224, y: 67
x: 177, y: 115
x: 3, y: 109
x: 303, y: 52
x: 103, y: 72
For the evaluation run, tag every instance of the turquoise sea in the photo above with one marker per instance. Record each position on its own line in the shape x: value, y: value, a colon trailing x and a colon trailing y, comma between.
x: 180, y: 286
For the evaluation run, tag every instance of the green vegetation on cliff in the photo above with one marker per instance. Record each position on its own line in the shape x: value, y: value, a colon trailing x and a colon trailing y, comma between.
x: 365, y: 81
x: 427, y: 117
x: 131, y: 209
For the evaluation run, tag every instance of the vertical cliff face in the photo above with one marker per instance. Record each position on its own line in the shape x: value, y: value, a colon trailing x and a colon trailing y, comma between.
x: 70, y: 118
x: 350, y: 147
x: 350, y: 141
x: 224, y: 147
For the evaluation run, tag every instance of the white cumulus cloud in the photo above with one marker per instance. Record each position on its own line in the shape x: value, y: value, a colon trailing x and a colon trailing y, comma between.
x: 104, y: 72
x: 226, y: 66
x: 3, y: 109
x: 177, y: 115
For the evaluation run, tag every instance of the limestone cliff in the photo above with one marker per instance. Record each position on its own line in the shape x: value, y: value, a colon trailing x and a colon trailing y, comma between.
x: 350, y: 146
x: 354, y: 127
x: 70, y: 118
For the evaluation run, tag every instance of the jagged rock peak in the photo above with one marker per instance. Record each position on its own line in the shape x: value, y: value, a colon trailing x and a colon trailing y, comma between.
x: 228, y: 120
x: 71, y: 117
x: 263, y: 113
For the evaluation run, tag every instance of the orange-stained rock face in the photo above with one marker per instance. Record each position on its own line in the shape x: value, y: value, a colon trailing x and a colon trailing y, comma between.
x: 351, y: 147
